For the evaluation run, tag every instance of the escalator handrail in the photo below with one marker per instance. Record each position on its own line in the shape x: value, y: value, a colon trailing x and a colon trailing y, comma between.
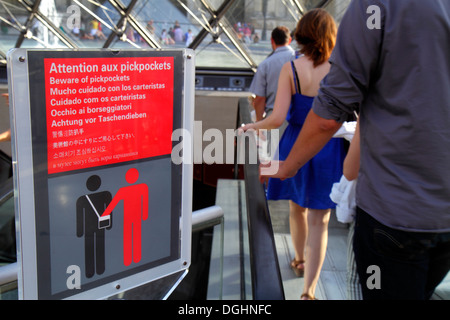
x: 265, y: 270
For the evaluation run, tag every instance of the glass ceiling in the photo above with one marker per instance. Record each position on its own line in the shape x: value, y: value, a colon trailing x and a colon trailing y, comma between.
x: 224, y: 33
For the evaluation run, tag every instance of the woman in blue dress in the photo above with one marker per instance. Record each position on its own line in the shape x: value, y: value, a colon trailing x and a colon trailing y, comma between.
x: 308, y: 192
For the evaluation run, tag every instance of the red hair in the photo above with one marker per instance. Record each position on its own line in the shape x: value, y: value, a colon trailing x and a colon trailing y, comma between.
x: 316, y: 33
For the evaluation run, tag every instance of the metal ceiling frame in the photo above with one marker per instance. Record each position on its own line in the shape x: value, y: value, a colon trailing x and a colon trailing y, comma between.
x: 216, y: 26
x: 36, y: 14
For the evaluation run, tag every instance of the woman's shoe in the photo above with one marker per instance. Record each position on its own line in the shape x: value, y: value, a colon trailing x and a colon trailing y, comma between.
x: 295, y: 264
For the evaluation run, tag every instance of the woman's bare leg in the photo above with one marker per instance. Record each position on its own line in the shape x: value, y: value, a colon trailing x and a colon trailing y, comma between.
x: 298, y: 225
x: 316, y: 248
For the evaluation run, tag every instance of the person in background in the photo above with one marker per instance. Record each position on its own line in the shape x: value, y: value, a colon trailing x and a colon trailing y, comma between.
x: 265, y: 81
x: 178, y: 35
x: 96, y: 30
x: 166, y: 39
x: 189, y: 37
x: 351, y: 171
x: 391, y: 62
x: 151, y: 27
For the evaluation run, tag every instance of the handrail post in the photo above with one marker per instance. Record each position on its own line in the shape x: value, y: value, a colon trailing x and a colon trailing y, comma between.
x: 8, y: 273
x: 205, y: 218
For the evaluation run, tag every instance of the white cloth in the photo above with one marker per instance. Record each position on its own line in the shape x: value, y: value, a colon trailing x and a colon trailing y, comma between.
x: 343, y: 194
x: 347, y: 131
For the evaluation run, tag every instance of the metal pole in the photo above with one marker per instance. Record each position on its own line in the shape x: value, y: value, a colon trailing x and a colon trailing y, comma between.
x: 29, y: 22
x: 205, y: 218
x: 8, y: 273
x: 124, y: 15
x: 213, y: 22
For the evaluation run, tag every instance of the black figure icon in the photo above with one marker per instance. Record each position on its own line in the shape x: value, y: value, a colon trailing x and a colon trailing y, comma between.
x: 92, y: 226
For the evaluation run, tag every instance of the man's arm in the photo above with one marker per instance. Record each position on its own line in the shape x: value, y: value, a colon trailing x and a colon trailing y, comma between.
x: 259, y: 104
x: 258, y: 88
x: 354, y: 61
x: 352, y: 160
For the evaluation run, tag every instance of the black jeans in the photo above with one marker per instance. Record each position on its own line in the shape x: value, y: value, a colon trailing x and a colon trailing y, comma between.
x: 408, y: 265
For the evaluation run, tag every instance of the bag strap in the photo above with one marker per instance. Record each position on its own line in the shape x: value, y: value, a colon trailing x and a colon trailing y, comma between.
x: 92, y: 205
x: 296, y: 79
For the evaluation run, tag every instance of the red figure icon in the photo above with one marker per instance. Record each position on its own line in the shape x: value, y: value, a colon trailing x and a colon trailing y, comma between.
x: 135, y: 209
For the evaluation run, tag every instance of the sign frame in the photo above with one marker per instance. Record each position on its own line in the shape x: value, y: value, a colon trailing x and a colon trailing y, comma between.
x: 35, y: 268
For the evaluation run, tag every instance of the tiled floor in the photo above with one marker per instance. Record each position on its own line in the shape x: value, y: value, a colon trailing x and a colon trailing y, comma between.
x: 332, y: 281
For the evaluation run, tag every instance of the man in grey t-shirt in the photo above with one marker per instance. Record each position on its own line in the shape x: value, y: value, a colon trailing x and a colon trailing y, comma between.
x: 391, y: 62
x: 265, y: 81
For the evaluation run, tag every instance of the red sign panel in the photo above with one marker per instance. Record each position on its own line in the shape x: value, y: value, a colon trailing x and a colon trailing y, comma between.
x: 102, y: 111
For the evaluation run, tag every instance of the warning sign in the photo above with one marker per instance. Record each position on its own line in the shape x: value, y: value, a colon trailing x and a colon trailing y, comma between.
x: 102, y: 206
x: 103, y: 111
